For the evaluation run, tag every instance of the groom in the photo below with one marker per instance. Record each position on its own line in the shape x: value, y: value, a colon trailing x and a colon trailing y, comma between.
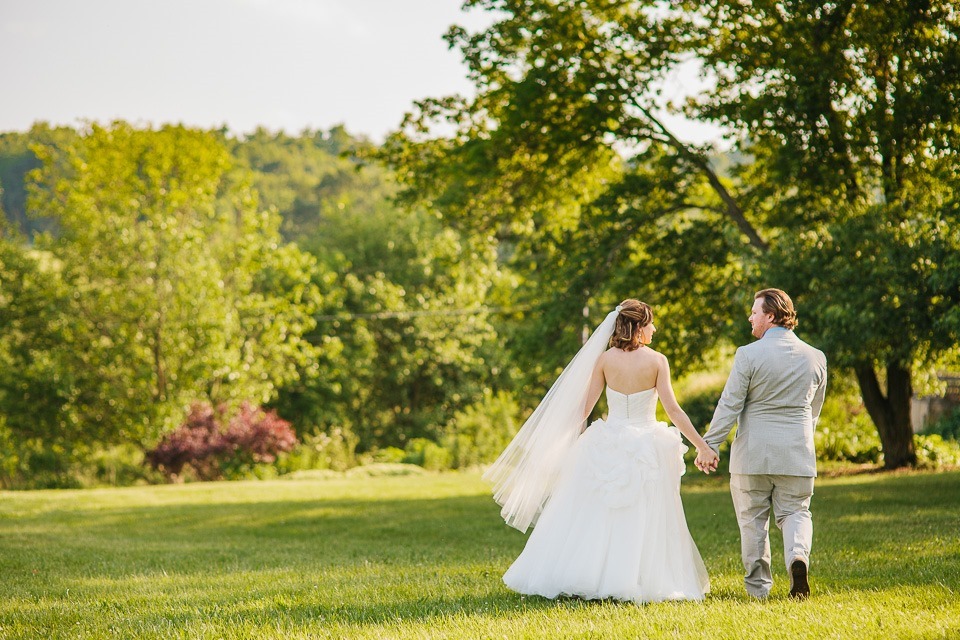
x: 775, y: 393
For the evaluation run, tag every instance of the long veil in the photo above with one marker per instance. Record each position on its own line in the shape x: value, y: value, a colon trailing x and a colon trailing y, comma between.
x: 524, y: 475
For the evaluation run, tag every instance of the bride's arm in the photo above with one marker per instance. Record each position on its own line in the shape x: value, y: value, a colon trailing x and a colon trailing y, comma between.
x: 677, y: 415
x: 594, y: 388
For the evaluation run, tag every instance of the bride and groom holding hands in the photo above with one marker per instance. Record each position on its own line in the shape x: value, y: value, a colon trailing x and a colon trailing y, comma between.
x: 605, y: 501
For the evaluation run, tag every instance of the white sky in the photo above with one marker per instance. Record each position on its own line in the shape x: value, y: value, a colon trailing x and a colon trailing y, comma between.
x: 282, y: 64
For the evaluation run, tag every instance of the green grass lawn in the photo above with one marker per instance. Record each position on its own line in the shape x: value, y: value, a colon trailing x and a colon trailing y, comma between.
x: 421, y: 556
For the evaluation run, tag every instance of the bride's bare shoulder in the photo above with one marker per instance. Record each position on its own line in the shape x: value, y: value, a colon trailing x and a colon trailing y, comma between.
x: 659, y: 357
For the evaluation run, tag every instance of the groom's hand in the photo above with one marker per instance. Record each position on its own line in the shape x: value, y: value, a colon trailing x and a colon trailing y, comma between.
x: 707, y: 461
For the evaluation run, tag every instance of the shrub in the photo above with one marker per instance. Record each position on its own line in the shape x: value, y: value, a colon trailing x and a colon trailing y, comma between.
x: 845, y: 432
x: 698, y: 394
x: 380, y: 469
x: 9, y: 457
x: 388, y: 455
x: 34, y: 464
x: 334, y: 450
x: 427, y: 454
x: 947, y: 427
x: 479, y: 433
x: 934, y: 451
x: 120, y: 465
x: 197, y: 442
x: 253, y: 436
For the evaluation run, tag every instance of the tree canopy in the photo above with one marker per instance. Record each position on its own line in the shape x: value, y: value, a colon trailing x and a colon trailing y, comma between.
x: 843, y: 113
x: 144, y: 269
x: 164, y: 283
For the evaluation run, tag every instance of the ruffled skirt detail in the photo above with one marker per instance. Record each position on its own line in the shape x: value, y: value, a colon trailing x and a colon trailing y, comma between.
x: 614, y: 526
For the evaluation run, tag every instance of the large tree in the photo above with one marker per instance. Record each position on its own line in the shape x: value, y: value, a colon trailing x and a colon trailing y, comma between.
x: 164, y: 283
x: 559, y: 160
x: 845, y: 120
x: 852, y: 110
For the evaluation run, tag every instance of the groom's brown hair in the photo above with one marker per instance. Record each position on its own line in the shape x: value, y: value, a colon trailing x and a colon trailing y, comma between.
x: 780, y: 305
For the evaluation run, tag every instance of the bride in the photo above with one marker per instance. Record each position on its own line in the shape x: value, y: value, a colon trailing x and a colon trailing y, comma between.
x: 606, y: 504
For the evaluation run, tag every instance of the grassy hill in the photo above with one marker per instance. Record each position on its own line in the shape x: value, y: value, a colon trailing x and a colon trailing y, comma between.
x: 420, y: 556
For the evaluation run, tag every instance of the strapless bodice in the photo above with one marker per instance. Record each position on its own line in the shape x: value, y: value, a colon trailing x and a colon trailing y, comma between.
x: 635, y: 407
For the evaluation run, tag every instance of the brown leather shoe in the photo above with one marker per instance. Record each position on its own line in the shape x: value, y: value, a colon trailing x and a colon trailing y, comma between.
x: 799, y: 586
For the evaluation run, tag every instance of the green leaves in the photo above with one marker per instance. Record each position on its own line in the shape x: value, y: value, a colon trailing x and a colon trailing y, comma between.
x: 164, y: 284
x: 406, y: 342
x: 844, y: 124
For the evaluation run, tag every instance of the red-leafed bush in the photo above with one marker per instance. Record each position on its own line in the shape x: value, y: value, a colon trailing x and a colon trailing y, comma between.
x: 202, y: 443
x: 256, y: 436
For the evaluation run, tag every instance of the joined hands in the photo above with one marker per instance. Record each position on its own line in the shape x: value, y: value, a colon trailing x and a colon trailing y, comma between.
x: 707, y: 460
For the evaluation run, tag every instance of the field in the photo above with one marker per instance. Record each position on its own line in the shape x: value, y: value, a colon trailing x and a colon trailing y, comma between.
x: 420, y: 556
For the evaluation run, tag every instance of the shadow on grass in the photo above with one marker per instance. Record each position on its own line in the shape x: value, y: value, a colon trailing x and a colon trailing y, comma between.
x: 310, y: 536
x: 371, y: 561
x: 310, y: 615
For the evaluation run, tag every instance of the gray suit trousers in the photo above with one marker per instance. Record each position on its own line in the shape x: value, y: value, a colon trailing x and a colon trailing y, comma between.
x: 753, y: 497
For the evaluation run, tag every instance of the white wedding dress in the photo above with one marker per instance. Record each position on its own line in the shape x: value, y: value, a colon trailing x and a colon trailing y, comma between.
x: 614, y: 525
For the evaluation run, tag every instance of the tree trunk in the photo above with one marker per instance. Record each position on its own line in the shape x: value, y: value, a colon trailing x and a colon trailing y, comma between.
x: 890, y: 413
x: 160, y: 394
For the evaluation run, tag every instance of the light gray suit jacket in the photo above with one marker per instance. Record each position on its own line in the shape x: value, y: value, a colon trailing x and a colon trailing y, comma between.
x: 775, y: 392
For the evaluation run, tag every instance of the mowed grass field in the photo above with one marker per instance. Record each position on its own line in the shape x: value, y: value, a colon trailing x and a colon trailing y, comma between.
x: 420, y: 556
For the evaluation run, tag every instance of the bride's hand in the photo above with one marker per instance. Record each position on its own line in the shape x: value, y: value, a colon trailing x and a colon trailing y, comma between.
x: 707, y: 460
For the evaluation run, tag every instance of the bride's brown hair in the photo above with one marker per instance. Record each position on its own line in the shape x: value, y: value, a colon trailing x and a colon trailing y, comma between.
x: 633, y: 316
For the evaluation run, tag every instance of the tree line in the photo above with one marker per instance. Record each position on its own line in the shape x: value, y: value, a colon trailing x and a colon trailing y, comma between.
x: 144, y: 270
x: 425, y: 291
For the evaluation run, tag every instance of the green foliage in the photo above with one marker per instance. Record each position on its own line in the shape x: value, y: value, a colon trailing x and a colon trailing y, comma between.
x: 17, y: 160
x: 947, y: 427
x: 334, y: 450
x: 165, y: 280
x: 843, y: 116
x: 402, y: 339
x: 479, y: 433
x: 427, y: 454
x: 537, y: 162
x: 698, y: 394
x: 872, y: 269
x: 933, y: 451
x: 163, y: 275
x: 855, y: 147
x: 36, y: 464
x: 385, y: 469
x: 388, y: 455
x: 33, y: 386
x: 418, y: 345
x: 9, y: 458
x: 845, y: 431
x: 306, y: 177
x: 121, y: 465
x: 164, y: 283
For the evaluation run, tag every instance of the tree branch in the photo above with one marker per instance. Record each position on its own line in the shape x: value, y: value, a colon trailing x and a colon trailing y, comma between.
x: 733, y: 210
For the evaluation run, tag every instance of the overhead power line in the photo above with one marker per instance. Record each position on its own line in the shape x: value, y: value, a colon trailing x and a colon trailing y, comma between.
x: 380, y: 315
